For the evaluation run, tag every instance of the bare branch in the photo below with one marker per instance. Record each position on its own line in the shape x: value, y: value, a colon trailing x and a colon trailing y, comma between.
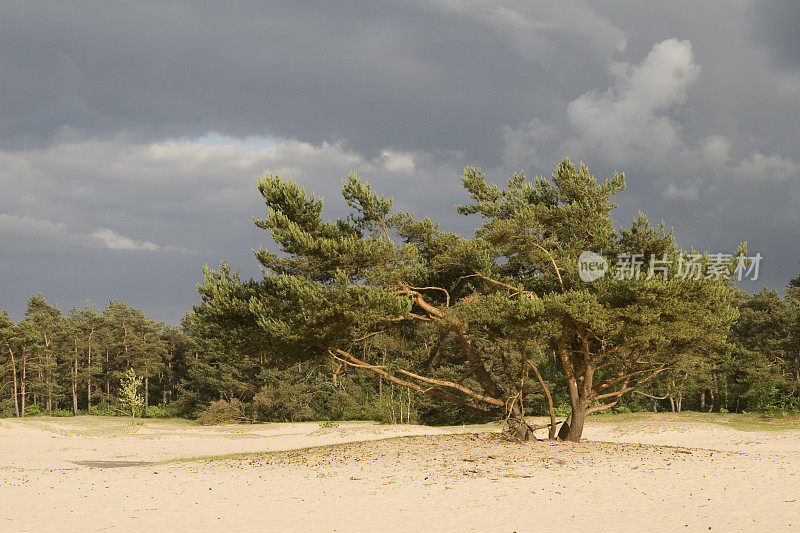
x: 651, y: 396
x: 552, y: 433
x: 450, y: 384
x: 555, y: 267
x: 430, y: 391
x: 368, y: 335
x: 447, y: 294
x: 625, y: 388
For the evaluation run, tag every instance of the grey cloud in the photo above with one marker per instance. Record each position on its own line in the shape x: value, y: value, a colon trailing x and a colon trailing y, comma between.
x: 628, y: 122
x: 408, y: 75
x: 775, y: 24
x: 173, y: 206
x: 125, y: 116
x: 25, y: 230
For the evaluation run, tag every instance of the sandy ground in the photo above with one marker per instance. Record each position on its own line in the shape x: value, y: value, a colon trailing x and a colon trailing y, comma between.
x: 657, y: 473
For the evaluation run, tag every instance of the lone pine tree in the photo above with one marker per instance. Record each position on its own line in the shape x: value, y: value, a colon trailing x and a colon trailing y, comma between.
x: 470, y: 318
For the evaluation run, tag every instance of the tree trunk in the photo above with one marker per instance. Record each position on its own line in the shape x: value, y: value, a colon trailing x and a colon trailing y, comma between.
x: 516, y: 426
x: 108, y: 378
x: 146, y: 395
x: 49, y: 396
x: 172, y: 380
x: 24, y: 380
x: 551, y: 434
x: 40, y: 375
x: 75, y: 383
x: 89, y: 376
x: 671, y: 403
x: 572, y: 428
x: 680, y: 401
x: 702, y: 401
x: 797, y: 375
x: 380, y: 378
x: 14, y: 373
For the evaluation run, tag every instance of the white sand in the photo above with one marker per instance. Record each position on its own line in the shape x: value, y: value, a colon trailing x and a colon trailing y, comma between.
x: 654, y: 473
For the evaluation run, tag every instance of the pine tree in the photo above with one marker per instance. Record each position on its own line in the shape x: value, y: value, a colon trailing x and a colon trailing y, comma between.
x: 46, y: 320
x: 147, y: 351
x: 8, y: 346
x: 469, y: 316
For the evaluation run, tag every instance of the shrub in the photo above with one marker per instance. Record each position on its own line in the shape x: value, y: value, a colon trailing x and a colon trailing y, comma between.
x: 285, y: 403
x: 109, y: 410
x: 563, y: 409
x: 7, y: 408
x: 156, y: 411
x: 222, y: 412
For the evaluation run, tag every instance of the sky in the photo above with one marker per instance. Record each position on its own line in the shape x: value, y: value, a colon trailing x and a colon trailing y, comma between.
x: 132, y: 133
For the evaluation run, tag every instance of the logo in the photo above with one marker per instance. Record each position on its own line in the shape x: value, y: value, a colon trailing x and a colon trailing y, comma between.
x: 591, y: 266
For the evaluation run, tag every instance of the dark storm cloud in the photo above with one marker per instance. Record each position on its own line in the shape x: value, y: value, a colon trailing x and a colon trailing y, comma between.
x: 109, y: 188
x: 410, y: 75
x: 776, y: 25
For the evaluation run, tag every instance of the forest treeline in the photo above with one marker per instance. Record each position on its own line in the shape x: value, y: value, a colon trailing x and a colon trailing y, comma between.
x: 72, y: 363
x: 384, y: 316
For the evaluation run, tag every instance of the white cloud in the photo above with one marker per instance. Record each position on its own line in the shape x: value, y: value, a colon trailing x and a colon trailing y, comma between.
x: 26, y: 227
x: 524, y: 144
x: 627, y: 122
x: 108, y: 238
x: 181, y: 195
x: 10, y: 224
x: 674, y: 192
x: 397, y: 161
x: 760, y: 167
x: 716, y: 150
x: 628, y: 125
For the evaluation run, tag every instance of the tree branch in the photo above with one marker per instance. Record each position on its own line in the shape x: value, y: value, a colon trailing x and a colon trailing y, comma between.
x: 553, y: 261
x: 447, y: 294
x: 430, y: 391
x: 552, y: 433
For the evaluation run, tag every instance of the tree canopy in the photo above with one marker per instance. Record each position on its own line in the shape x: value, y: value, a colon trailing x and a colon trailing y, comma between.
x: 550, y: 307
x: 464, y: 319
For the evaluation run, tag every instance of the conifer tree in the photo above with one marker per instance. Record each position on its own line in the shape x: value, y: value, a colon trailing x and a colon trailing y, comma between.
x: 8, y: 346
x: 46, y: 320
x: 471, y: 314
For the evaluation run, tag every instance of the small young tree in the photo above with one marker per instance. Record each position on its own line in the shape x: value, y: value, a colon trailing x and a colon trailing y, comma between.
x: 129, y: 393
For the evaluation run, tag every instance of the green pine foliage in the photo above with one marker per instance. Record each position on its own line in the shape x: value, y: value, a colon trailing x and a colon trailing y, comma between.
x: 380, y: 315
x: 463, y: 320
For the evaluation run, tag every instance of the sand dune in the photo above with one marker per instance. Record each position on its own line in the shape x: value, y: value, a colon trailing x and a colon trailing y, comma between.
x: 657, y: 473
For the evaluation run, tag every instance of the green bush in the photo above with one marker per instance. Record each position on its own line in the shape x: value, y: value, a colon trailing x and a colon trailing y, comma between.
x: 287, y: 402
x: 7, y: 408
x: 156, y: 411
x: 109, y: 410
x: 222, y: 412
x: 61, y: 412
x: 563, y: 409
